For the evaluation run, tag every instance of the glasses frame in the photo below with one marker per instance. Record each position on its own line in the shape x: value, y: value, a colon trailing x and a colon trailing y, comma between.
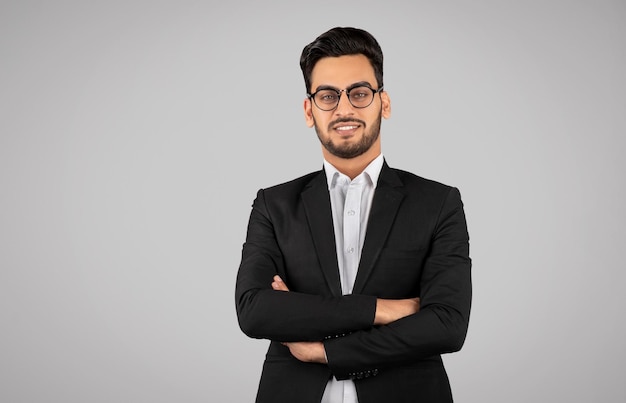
x: 347, y: 91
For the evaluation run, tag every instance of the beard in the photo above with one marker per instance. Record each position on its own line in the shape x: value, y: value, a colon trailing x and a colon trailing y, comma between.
x: 348, y: 151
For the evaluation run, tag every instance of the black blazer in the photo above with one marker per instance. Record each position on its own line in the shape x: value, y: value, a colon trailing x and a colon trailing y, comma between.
x: 416, y: 244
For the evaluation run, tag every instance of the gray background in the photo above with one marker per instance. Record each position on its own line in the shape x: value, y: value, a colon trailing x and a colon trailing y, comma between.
x: 135, y: 134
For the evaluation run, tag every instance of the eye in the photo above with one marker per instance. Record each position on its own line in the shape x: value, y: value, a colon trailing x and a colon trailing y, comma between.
x: 360, y: 93
x: 327, y: 97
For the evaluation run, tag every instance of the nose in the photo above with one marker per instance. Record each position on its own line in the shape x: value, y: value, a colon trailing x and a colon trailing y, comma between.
x: 344, y: 107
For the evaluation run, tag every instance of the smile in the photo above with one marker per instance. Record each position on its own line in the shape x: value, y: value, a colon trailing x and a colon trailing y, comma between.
x: 342, y: 128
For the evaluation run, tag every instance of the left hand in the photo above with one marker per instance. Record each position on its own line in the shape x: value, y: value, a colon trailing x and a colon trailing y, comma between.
x: 278, y: 284
x: 307, y: 351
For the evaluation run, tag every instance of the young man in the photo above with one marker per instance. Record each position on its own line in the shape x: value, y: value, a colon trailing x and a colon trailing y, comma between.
x: 359, y: 274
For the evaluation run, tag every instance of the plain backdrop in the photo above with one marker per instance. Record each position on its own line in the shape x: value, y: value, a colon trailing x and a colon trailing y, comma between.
x: 134, y: 135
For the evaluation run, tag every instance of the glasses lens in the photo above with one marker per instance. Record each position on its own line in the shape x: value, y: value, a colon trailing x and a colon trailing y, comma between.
x: 326, y: 99
x: 361, y: 97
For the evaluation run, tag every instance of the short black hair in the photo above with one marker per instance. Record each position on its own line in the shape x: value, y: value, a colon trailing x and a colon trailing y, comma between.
x: 342, y: 41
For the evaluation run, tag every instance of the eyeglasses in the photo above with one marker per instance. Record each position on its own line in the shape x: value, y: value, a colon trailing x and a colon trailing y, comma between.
x: 328, y: 98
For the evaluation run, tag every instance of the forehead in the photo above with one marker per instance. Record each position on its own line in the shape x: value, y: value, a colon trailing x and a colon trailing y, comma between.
x: 342, y: 71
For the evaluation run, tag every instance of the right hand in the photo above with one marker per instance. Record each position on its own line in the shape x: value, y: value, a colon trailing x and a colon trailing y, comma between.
x: 278, y: 284
x: 390, y: 310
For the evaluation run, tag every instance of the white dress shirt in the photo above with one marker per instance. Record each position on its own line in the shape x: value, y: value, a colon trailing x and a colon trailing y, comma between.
x: 351, y: 201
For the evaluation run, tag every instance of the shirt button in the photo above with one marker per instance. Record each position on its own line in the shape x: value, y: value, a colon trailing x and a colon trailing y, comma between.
x: 351, y: 212
x: 350, y: 250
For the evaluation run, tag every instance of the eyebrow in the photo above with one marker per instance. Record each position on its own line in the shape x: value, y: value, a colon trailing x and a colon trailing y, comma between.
x: 351, y: 86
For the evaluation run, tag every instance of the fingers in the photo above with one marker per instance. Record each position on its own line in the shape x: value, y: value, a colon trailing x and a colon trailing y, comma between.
x: 307, y: 351
x: 278, y: 284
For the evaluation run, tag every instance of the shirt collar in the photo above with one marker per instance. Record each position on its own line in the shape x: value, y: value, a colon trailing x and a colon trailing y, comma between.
x: 371, y: 172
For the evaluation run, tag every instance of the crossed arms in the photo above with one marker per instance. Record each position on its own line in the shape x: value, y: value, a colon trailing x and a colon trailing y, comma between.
x: 374, y: 332
x: 387, y: 311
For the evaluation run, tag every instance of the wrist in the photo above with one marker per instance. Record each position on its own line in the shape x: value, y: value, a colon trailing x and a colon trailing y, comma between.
x: 381, y: 315
x: 324, y: 356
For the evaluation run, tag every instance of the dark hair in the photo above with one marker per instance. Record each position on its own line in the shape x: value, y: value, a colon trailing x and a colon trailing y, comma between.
x: 341, y: 42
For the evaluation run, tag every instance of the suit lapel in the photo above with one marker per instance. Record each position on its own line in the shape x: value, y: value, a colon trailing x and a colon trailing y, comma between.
x: 387, y: 199
x: 316, y: 200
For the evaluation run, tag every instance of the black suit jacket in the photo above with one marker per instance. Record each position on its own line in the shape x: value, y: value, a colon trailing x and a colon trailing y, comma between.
x: 416, y: 244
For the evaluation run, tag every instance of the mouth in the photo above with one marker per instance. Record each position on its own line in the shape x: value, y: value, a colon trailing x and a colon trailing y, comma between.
x: 347, y: 128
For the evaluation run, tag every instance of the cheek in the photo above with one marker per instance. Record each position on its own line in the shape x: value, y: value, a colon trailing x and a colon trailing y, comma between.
x: 319, y: 122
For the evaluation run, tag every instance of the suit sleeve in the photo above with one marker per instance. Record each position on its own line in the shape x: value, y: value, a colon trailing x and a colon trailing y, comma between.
x: 441, y: 324
x: 287, y: 316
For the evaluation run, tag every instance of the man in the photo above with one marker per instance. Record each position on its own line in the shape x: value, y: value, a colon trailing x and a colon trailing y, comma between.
x: 359, y: 274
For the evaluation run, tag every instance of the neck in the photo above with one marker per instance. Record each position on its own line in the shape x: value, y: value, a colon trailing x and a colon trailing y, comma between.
x: 352, y: 167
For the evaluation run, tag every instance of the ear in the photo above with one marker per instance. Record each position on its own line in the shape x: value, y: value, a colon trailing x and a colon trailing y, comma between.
x: 386, y: 105
x: 308, y: 112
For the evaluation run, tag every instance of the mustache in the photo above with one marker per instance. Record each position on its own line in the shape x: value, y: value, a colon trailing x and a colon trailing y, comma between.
x: 345, y: 120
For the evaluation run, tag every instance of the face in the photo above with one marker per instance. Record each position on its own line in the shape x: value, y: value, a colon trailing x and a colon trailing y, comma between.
x: 347, y: 132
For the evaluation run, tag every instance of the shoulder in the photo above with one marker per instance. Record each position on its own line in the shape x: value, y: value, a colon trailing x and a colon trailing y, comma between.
x: 413, y: 179
x: 422, y: 190
x: 290, y: 191
x: 416, y: 183
x: 287, y: 197
x: 296, y: 185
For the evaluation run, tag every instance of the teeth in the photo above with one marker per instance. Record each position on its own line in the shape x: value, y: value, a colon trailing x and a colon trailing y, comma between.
x: 346, y: 128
